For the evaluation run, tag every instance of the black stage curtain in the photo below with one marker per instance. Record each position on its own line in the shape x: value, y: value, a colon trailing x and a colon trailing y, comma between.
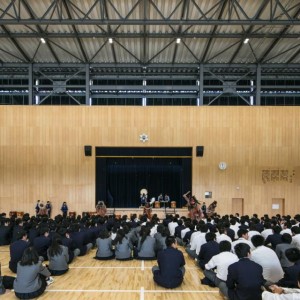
x: 119, y: 180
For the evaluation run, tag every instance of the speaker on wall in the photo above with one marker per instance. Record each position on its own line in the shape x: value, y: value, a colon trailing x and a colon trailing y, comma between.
x: 199, y: 151
x: 88, y: 150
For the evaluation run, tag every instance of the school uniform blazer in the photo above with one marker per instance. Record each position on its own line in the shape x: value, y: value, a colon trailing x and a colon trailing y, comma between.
x: 123, y: 251
x: 147, y: 249
x: 41, y: 245
x: 16, y: 252
x: 208, y: 250
x: 244, y: 280
x: 59, y: 262
x: 5, y: 235
x: 28, y: 279
x: 78, y: 238
x: 169, y: 262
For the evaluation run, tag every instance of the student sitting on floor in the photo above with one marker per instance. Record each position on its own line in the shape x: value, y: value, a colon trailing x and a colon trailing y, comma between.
x: 32, y: 276
x: 280, y: 293
x: 58, y: 257
x: 104, y: 246
x: 170, y: 270
x: 146, y: 245
x: 123, y: 246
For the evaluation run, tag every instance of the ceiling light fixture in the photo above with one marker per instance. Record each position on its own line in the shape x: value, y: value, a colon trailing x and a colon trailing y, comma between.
x: 110, y: 40
x: 43, y: 41
x: 178, y: 40
x: 246, y: 41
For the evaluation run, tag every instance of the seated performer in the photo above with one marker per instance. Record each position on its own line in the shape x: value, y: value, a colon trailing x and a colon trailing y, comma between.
x: 167, y: 200
x: 101, y: 208
x: 194, y: 207
x: 143, y: 197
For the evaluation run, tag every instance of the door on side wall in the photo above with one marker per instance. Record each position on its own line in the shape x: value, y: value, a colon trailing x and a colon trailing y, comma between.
x: 278, y: 206
x: 237, y: 206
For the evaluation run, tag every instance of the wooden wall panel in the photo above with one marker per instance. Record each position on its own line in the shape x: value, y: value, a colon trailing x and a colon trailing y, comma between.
x: 42, y: 151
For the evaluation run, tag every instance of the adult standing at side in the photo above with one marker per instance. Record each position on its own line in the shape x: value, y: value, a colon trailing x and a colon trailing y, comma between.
x: 64, y: 209
x: 170, y: 270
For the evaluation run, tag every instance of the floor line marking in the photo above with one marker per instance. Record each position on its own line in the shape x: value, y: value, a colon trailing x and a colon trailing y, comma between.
x: 142, y: 290
x: 143, y: 265
x: 142, y: 295
x: 116, y: 267
x: 101, y: 267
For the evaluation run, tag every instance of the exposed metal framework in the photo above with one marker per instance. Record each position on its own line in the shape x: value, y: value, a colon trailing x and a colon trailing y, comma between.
x: 171, y: 52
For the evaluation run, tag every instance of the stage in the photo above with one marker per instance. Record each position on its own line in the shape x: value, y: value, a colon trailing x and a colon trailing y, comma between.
x: 161, y: 212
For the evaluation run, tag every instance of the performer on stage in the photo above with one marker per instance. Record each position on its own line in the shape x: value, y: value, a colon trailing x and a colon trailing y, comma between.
x: 101, y: 209
x: 143, y: 197
x: 211, y: 209
x: 147, y: 210
x: 167, y: 200
x: 160, y: 198
x: 194, y: 207
x: 42, y: 210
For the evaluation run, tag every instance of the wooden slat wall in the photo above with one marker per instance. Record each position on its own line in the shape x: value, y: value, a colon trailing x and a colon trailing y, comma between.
x: 42, y: 151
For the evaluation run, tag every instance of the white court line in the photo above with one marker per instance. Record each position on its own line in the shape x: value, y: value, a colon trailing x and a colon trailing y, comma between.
x: 142, y: 291
x: 104, y: 267
x: 142, y: 295
x: 142, y: 267
x: 94, y: 291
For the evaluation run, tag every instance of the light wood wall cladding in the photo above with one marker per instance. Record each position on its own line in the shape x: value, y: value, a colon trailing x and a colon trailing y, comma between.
x: 42, y: 152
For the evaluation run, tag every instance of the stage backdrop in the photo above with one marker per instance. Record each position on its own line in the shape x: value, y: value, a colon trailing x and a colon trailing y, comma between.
x: 121, y: 173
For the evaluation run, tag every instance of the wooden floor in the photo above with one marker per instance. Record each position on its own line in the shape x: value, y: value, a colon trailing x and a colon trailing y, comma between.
x: 115, y: 280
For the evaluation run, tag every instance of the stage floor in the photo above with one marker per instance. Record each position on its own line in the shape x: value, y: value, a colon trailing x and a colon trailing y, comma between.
x: 161, y: 212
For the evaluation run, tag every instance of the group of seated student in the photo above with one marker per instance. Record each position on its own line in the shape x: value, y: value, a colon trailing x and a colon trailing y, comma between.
x: 239, y: 255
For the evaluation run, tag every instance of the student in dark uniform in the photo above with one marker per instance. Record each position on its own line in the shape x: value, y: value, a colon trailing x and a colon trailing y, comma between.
x: 170, y: 270
x: 17, y: 249
x: 245, y: 277
x: 42, y: 242
x: 64, y: 209
x: 48, y: 208
x: 5, y: 232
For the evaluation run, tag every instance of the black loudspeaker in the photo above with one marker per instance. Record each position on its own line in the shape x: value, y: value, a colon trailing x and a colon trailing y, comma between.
x: 88, y: 150
x: 199, y: 151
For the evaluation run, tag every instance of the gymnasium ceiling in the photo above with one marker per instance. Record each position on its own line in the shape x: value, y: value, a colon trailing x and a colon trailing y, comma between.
x: 146, y: 32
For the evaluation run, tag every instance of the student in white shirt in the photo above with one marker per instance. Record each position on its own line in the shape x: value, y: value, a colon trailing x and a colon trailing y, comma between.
x: 267, y: 258
x: 221, y: 262
x: 280, y: 293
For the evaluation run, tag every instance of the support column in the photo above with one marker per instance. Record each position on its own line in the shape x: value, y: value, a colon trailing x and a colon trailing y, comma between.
x: 258, y: 85
x: 201, y: 81
x: 30, y: 84
x: 87, y: 85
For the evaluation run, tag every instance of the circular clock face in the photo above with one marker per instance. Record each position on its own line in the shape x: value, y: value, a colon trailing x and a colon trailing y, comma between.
x: 222, y: 165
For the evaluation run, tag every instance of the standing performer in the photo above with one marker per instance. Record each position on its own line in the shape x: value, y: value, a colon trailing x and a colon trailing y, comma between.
x: 211, y: 209
x: 43, y: 210
x: 147, y: 210
x: 194, y: 207
x: 101, y: 209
